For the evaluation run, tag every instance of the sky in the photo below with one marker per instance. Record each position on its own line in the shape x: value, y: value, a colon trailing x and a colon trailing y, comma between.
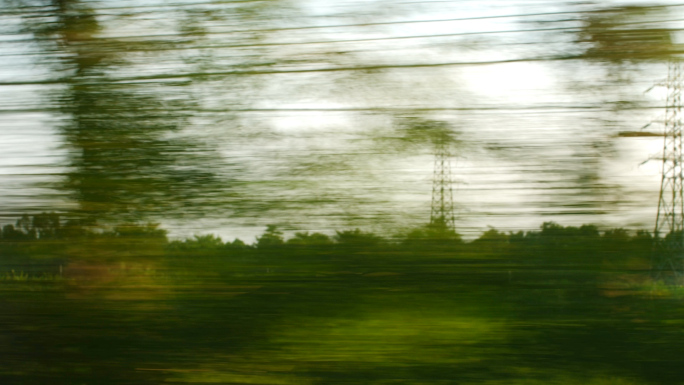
x: 537, y: 139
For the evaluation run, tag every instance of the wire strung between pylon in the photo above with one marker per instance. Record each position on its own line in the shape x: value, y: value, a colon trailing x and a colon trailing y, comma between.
x: 442, y: 210
x: 668, y: 256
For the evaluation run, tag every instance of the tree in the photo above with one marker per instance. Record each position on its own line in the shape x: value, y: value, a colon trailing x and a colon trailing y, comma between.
x: 126, y: 157
x: 47, y: 225
x: 432, y: 236
x: 619, y: 34
x: 272, y: 237
x: 304, y: 239
x: 356, y: 239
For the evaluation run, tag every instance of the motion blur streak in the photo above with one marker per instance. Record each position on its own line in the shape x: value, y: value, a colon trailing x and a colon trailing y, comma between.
x: 362, y: 192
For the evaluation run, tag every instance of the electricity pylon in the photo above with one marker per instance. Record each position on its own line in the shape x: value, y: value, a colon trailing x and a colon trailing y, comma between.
x: 442, y: 211
x: 668, y: 256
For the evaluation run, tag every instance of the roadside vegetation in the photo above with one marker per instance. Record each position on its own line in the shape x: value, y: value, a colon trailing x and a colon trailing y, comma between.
x: 566, y: 305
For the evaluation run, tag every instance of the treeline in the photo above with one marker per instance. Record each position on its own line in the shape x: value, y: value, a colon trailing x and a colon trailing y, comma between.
x: 273, y: 238
x: 551, y: 244
x: 51, y: 226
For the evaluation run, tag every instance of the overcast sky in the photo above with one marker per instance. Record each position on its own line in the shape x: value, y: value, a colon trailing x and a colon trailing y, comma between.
x: 316, y: 127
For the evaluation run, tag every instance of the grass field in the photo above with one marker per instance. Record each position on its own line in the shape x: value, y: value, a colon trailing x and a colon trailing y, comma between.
x: 343, y: 317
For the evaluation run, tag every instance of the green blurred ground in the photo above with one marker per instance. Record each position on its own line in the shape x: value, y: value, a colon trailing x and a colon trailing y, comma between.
x: 335, y: 314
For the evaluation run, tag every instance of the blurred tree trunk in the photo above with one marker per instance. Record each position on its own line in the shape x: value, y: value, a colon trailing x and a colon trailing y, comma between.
x: 126, y: 159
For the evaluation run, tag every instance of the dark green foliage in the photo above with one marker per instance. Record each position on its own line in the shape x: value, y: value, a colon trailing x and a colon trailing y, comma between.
x: 431, y: 237
x: 47, y: 225
x: 10, y: 233
x: 641, y: 245
x: 309, y: 240
x: 620, y: 34
x: 199, y: 242
x: 552, y: 244
x: 553, y: 301
x: 433, y: 233
x: 40, y: 226
x: 271, y: 238
x: 493, y: 242
x: 613, y: 243
x: 237, y: 244
x: 50, y: 226
x: 555, y: 244
x: 209, y: 242
x: 356, y: 240
x: 135, y: 230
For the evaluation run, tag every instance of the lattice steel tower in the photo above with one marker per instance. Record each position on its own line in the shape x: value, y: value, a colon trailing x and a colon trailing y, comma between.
x: 442, y: 211
x: 668, y: 260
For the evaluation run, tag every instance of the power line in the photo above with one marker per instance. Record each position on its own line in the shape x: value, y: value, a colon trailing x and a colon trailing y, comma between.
x: 122, y: 39
x: 512, y: 109
x: 143, y: 79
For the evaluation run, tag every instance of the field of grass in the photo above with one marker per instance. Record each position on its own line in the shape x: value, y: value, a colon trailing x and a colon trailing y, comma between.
x: 287, y: 316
